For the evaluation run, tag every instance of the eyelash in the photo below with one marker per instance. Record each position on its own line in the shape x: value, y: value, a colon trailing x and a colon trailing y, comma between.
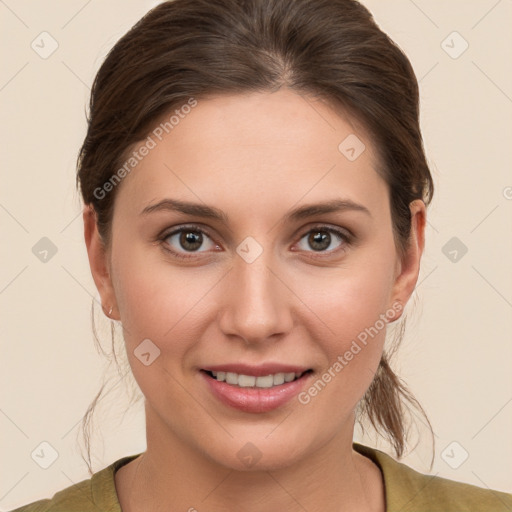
x: 345, y: 237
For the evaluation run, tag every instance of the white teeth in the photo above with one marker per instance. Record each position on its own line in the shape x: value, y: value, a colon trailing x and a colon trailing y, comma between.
x: 279, y: 379
x: 248, y: 381
x: 244, y: 381
x: 231, y: 378
x: 288, y: 377
x: 266, y: 381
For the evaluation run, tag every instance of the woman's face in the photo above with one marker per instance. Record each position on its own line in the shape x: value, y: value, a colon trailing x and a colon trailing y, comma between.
x: 258, y: 285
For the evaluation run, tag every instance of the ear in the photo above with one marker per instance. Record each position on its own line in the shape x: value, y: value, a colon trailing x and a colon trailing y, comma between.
x: 408, y: 266
x: 99, y: 263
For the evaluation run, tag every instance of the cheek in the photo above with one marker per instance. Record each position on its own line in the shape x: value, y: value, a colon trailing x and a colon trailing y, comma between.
x: 354, y: 311
x: 163, y: 303
x: 356, y: 315
x: 349, y: 300
x: 151, y: 294
x: 156, y: 306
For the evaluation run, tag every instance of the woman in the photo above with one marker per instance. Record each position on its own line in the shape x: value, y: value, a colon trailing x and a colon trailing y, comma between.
x: 255, y: 193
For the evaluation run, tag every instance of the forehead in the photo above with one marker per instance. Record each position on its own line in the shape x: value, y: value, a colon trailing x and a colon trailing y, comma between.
x: 257, y: 149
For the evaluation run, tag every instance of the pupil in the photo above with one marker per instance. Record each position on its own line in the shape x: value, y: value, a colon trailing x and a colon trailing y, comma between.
x: 319, y: 237
x: 191, y: 240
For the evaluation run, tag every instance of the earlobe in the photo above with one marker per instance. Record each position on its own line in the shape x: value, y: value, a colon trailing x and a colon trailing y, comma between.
x: 409, y: 264
x: 99, y: 264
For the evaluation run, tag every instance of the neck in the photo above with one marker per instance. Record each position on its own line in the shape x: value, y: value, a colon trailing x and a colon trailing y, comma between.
x: 333, y: 477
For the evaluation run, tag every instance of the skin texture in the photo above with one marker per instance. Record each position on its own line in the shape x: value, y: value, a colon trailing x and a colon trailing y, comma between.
x: 256, y: 157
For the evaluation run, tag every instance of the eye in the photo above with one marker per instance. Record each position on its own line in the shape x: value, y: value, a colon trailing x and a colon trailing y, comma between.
x: 188, y: 239
x: 320, y: 238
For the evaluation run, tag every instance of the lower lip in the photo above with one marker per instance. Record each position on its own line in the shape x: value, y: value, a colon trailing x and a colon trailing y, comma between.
x: 255, y: 399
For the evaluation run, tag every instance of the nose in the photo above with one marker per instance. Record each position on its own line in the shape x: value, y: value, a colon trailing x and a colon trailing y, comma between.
x: 257, y: 304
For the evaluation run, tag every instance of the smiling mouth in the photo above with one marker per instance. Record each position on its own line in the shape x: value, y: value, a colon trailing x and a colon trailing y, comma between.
x: 251, y: 381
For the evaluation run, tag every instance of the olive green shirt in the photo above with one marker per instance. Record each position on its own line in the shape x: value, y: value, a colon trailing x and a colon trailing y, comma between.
x: 406, y: 490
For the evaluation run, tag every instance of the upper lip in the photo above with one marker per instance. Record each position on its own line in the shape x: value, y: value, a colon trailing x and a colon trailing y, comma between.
x: 256, y: 370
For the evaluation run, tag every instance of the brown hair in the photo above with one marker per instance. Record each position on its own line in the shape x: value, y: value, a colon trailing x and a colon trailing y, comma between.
x: 328, y: 49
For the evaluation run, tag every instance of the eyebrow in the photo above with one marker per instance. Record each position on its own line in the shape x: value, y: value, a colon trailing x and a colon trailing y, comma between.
x: 299, y: 213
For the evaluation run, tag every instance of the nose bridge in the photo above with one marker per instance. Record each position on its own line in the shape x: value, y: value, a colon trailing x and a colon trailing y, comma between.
x: 256, y: 305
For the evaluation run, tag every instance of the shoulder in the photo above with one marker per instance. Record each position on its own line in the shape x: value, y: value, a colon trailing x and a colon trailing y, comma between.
x: 407, y: 490
x: 77, y: 497
x: 96, y: 494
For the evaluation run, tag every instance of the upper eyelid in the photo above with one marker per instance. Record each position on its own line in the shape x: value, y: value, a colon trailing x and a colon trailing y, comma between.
x: 191, y: 227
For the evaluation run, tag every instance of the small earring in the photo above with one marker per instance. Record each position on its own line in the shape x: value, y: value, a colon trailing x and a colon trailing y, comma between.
x: 110, y: 311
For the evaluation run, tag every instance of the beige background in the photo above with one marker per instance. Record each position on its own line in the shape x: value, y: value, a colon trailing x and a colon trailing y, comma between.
x: 457, y: 356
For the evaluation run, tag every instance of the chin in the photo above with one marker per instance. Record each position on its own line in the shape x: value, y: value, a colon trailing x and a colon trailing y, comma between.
x: 257, y: 454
